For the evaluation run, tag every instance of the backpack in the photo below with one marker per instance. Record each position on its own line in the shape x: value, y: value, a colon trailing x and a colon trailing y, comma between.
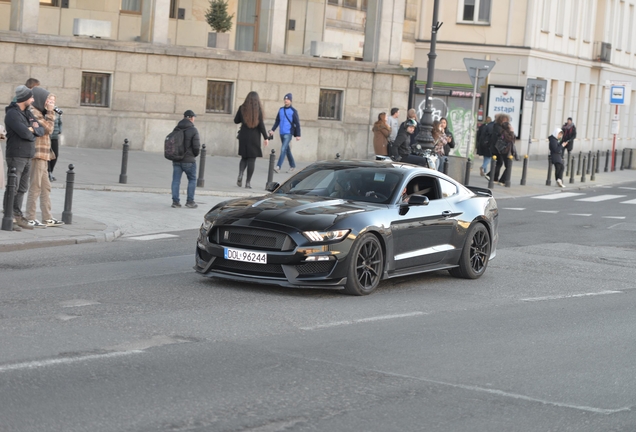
x: 502, y: 147
x: 174, y: 145
x: 484, y: 136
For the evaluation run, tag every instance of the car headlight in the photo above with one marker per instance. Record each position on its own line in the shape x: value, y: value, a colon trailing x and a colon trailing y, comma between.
x: 207, y: 224
x: 325, y: 236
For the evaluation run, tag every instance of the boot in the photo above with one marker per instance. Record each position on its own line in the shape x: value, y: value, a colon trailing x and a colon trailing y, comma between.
x: 247, y: 185
x: 239, y: 180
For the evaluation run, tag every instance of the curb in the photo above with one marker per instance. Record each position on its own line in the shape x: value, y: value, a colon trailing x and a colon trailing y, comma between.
x: 104, y: 188
x: 108, y: 235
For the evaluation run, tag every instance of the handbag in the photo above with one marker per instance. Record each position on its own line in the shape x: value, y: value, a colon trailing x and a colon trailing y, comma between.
x: 502, y: 146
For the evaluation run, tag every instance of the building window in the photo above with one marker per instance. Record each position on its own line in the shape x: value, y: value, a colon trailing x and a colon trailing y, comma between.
x: 95, y: 89
x: 49, y: 3
x: 351, y: 4
x: 330, y: 104
x: 131, y: 6
x: 333, y: 2
x: 174, y: 4
x: 475, y: 11
x: 219, y: 97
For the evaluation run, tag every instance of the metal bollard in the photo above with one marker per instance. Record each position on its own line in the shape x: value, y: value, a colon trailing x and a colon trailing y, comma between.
x: 201, y: 180
x: 7, y: 220
x: 583, y: 172
x: 631, y: 153
x: 491, y: 174
x: 272, y: 164
x: 598, y: 159
x: 572, y: 173
x: 614, y: 160
x: 607, y: 158
x: 623, y: 159
x: 578, y: 165
x: 67, y: 214
x: 548, y: 181
x: 568, y: 164
x: 123, y: 178
x: 589, y: 161
x: 524, y: 172
x: 508, y: 171
x: 469, y: 164
x: 592, y: 177
x: 445, y: 166
x: 337, y: 156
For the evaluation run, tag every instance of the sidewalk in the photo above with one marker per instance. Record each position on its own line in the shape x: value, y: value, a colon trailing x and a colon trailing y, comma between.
x: 103, y: 209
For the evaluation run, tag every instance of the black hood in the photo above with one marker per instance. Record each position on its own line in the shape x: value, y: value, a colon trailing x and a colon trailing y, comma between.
x: 12, y: 105
x: 185, y: 124
x: 39, y: 98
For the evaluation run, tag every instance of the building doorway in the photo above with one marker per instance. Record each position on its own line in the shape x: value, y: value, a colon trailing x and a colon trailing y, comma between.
x: 247, y: 25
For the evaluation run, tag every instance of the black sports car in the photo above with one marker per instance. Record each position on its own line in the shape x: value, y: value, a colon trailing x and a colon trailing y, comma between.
x: 348, y: 225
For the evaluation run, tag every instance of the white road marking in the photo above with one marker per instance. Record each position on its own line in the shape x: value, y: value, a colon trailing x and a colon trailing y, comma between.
x: 566, y: 296
x: 629, y: 202
x: 78, y: 303
x: 548, y: 211
x: 613, y: 217
x: 152, y: 237
x: 513, y: 208
x: 364, y: 320
x: 64, y: 361
x: 627, y: 188
x: 558, y: 195
x: 580, y: 214
x: 600, y: 198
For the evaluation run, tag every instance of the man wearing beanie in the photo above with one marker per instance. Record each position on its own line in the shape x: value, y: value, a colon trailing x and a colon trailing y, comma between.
x: 22, y: 129
x: 289, y: 122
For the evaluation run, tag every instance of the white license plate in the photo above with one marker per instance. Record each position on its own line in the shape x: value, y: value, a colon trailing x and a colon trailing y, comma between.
x: 245, y: 256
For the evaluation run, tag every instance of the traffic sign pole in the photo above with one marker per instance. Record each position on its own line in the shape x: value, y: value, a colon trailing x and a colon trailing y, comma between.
x: 614, y: 146
x: 472, y: 115
x: 534, y: 110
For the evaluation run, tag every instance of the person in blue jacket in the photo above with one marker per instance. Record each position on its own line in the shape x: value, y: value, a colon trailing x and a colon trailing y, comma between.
x: 289, y: 122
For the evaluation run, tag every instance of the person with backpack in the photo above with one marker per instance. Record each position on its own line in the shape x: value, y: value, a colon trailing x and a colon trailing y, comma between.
x: 483, y: 145
x: 494, y: 134
x: 505, y: 147
x: 182, y: 146
x: 289, y: 122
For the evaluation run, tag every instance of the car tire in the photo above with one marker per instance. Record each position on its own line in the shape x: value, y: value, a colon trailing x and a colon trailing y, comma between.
x: 365, y: 267
x: 474, y: 257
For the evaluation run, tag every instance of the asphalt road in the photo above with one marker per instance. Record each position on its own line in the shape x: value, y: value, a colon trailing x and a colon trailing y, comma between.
x: 124, y: 336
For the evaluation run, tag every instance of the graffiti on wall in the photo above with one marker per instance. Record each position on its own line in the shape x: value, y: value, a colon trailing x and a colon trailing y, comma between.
x: 458, y: 123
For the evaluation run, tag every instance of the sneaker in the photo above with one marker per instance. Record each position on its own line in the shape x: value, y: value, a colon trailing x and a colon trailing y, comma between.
x: 291, y: 170
x: 175, y: 204
x: 277, y: 169
x: 482, y: 172
x: 501, y: 183
x: 487, y: 177
x: 560, y: 183
x: 16, y: 227
x: 51, y: 178
x: 53, y: 222
x: 37, y: 224
x: 191, y: 204
x: 22, y: 223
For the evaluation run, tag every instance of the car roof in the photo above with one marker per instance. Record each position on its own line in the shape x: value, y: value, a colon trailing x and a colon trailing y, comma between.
x: 398, y: 167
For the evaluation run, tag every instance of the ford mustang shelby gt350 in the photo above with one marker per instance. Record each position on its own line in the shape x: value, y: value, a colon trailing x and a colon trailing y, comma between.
x: 348, y: 225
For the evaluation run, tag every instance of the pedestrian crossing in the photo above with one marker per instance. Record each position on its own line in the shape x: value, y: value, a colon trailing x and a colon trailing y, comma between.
x: 594, y: 199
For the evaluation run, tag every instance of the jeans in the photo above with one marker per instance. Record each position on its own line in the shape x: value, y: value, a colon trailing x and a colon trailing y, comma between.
x: 190, y: 170
x: 285, y: 150
x: 22, y: 166
x: 486, y: 164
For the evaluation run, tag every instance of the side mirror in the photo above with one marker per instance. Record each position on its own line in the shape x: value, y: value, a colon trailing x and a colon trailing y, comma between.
x: 272, y: 186
x: 418, y: 200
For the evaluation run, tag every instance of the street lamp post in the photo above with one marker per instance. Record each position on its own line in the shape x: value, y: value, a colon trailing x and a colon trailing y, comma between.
x: 425, y: 137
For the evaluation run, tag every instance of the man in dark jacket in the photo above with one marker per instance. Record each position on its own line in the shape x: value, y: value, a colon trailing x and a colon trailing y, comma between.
x: 188, y: 164
x: 289, y: 122
x: 22, y: 128
x: 569, y: 133
x: 402, y: 146
x: 556, y: 154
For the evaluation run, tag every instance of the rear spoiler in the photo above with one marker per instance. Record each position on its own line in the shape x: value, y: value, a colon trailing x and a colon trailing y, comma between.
x: 480, y: 190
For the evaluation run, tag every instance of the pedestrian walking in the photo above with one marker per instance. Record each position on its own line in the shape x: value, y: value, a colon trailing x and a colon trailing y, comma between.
x: 381, y: 131
x: 188, y: 164
x: 3, y: 135
x: 55, y: 143
x: 508, y: 137
x: 394, y: 124
x: 556, y: 154
x: 569, y: 134
x: 22, y: 129
x: 482, y: 146
x: 289, y: 122
x: 250, y: 116
x: 40, y: 186
x: 493, y: 137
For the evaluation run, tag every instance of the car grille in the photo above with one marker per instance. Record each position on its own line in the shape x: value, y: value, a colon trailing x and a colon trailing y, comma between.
x: 251, y: 238
x: 314, y: 268
x: 252, y: 269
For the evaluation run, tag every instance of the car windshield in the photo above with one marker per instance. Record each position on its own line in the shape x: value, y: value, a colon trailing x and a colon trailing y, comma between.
x: 366, y: 184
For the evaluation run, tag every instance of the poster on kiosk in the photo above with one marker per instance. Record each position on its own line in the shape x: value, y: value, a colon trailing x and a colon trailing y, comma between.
x: 506, y: 100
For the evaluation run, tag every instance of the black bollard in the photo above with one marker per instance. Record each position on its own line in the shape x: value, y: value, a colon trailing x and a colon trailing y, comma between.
x: 201, y: 179
x: 607, y: 158
x: 578, y: 165
x: 592, y: 177
x: 623, y: 159
x: 568, y: 164
x: 337, y: 156
x: 524, y: 172
x: 7, y: 220
x: 572, y: 173
x: 631, y: 153
x: 67, y: 214
x: 508, y: 171
x: 589, y: 161
x: 272, y: 164
x: 491, y: 175
x: 583, y: 172
x: 445, y: 166
x: 548, y: 181
x: 469, y: 164
x: 614, y: 160
x: 598, y: 159
x: 123, y: 178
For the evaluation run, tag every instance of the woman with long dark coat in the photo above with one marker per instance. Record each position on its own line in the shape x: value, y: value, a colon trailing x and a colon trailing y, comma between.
x: 250, y: 116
